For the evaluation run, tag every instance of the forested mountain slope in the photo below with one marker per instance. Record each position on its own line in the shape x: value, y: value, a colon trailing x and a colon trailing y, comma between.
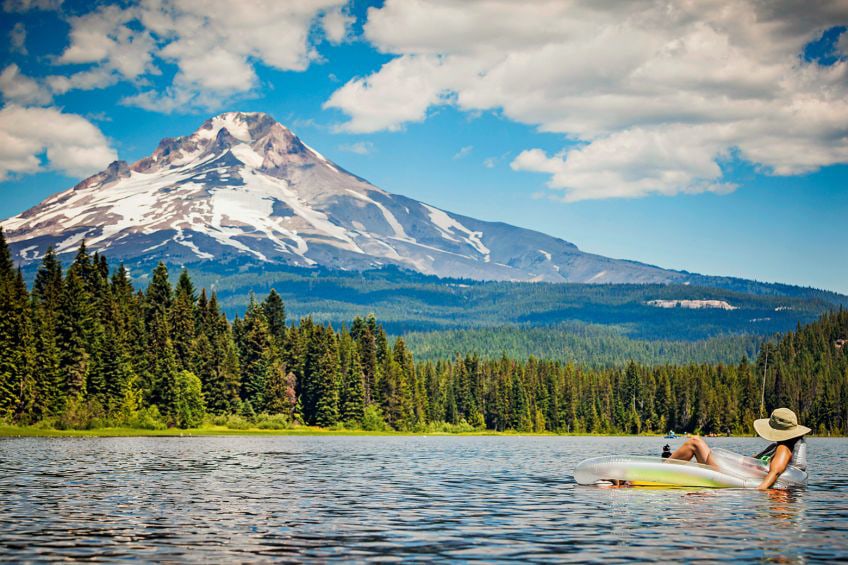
x: 407, y: 301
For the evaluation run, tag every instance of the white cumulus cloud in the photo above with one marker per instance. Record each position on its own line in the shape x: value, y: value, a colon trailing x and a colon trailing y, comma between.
x: 654, y: 94
x: 213, y: 45
x: 37, y: 139
x: 402, y: 91
x: 216, y: 44
x: 107, y: 36
x: 632, y: 163
x: 18, y: 88
x: 97, y: 77
x: 336, y: 24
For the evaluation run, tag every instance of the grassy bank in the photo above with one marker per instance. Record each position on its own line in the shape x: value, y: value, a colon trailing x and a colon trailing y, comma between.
x: 217, y: 430
x: 33, y: 431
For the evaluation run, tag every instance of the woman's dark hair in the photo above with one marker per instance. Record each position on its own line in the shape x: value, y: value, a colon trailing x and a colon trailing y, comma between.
x: 790, y: 443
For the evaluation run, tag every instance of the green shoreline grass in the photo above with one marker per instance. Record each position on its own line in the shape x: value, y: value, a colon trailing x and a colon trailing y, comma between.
x: 29, y: 431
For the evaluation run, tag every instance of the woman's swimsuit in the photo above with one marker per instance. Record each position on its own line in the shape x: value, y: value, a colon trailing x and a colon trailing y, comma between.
x: 798, y: 448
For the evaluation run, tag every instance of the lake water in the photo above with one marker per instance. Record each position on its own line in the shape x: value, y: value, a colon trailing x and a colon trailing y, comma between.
x: 400, y: 497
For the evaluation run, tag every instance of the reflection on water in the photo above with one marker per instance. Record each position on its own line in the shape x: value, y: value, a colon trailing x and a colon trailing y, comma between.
x: 409, y: 497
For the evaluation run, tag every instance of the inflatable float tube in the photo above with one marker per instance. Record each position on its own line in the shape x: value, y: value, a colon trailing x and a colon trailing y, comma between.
x: 732, y: 471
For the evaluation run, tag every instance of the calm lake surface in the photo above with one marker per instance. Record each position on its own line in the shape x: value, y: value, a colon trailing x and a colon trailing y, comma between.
x: 403, y: 498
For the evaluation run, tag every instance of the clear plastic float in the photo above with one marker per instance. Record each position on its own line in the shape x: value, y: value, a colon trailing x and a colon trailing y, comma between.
x: 731, y: 470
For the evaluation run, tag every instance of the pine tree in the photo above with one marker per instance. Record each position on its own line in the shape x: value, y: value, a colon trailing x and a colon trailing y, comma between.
x: 92, y: 271
x: 275, y: 316
x: 310, y: 339
x: 126, y: 313
x: 403, y: 374
x: 326, y: 382
x: 255, y: 355
x: 74, y: 330
x: 352, y: 392
x: 161, y: 359
x: 228, y: 370
x: 46, y: 301
x: 521, y: 419
x: 367, y: 345
x: 7, y: 266
x: 159, y: 293
x: 17, y: 347
x: 217, y: 359
x: 183, y: 319
x: 297, y: 340
x: 118, y: 376
x: 136, y: 344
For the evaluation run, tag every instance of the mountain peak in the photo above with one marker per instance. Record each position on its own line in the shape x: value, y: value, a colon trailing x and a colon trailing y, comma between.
x: 244, y: 126
x: 254, y: 138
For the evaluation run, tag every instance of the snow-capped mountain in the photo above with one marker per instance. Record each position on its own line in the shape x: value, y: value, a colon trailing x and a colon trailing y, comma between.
x: 243, y: 186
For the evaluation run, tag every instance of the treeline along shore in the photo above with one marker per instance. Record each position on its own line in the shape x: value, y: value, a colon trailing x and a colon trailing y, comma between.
x: 84, y: 349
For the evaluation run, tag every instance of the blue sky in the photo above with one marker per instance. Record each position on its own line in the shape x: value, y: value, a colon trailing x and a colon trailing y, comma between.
x: 702, y: 142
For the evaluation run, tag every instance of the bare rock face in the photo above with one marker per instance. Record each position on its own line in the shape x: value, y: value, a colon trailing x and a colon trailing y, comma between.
x: 244, y: 186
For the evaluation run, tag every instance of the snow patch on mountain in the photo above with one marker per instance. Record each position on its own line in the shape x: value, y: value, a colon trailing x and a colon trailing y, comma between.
x: 244, y: 153
x: 447, y: 224
x: 692, y: 304
x: 389, y: 217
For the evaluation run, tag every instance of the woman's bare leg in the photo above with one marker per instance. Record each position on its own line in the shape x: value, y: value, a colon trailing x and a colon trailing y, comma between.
x: 693, y: 447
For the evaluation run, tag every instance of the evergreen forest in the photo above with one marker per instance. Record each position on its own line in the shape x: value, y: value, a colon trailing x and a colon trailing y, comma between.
x: 82, y: 347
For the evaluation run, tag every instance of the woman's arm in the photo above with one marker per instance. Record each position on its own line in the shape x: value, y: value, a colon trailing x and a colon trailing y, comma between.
x: 777, y: 465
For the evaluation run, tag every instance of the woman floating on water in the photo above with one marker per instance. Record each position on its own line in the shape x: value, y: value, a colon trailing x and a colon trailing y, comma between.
x: 781, y: 428
x: 782, y: 465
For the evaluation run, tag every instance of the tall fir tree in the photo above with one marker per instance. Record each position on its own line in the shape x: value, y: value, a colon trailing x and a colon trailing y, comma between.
x: 183, y: 322
x: 76, y: 319
x: 17, y: 347
x: 256, y: 355
x: 307, y: 348
x: 366, y: 341
x: 161, y: 359
x: 91, y: 271
x: 275, y: 316
x: 398, y: 399
x: 46, y: 301
x: 217, y: 359
x: 327, y: 381
x: 352, y: 389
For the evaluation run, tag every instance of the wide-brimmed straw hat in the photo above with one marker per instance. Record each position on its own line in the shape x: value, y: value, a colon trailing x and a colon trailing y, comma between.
x: 783, y: 425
